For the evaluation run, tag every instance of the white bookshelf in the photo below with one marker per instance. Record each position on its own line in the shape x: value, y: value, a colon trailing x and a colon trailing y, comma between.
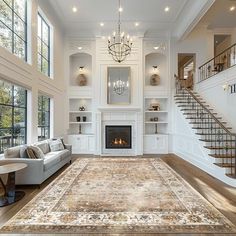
x: 152, y: 126
x: 80, y: 127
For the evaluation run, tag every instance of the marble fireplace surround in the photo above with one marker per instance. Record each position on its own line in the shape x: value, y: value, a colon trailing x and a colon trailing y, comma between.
x: 119, y: 116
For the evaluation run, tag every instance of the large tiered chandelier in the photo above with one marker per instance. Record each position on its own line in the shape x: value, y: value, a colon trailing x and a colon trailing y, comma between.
x: 119, y: 45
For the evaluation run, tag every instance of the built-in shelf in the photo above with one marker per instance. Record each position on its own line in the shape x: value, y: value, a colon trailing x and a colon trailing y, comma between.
x: 156, y: 122
x: 156, y: 111
x: 80, y: 126
x: 80, y: 112
x: 152, y: 127
x: 81, y: 123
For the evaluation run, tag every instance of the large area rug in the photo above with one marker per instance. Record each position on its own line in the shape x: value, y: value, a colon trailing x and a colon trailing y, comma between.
x: 119, y: 195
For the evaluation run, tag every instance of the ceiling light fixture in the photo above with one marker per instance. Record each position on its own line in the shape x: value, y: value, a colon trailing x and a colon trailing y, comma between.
x: 167, y: 9
x: 120, y: 9
x: 101, y: 24
x: 74, y: 9
x: 119, y: 45
x: 232, y: 8
x: 80, y: 48
x: 136, y: 24
x: 156, y: 48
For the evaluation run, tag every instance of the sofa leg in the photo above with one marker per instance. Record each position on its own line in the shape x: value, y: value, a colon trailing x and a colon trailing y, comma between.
x: 70, y: 162
x: 39, y: 186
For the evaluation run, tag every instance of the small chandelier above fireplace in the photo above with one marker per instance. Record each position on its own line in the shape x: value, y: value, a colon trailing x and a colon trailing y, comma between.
x: 119, y: 86
x: 119, y: 45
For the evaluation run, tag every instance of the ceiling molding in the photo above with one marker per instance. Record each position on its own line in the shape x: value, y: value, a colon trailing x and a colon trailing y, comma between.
x: 193, y: 12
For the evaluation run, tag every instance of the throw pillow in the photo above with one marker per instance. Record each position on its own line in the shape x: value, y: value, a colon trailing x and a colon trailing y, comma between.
x: 23, y: 152
x: 62, y: 141
x: 37, y: 152
x: 30, y: 153
x: 56, y: 145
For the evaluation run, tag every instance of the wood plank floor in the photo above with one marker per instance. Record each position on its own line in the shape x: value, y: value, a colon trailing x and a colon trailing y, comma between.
x: 222, y: 196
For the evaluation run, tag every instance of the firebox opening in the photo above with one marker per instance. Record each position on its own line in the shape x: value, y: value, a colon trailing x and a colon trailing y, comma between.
x: 118, y: 137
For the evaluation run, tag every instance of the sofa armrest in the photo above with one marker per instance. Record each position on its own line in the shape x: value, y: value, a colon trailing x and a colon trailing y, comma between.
x: 68, y: 147
x: 32, y: 174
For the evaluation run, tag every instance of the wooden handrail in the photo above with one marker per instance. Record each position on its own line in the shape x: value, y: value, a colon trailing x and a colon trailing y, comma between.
x: 210, y: 113
x: 217, y: 55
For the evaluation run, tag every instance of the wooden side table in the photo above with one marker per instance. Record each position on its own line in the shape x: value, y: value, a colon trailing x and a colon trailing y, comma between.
x: 10, y: 194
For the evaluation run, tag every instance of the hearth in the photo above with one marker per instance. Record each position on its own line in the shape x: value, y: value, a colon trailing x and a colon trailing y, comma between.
x: 118, y: 137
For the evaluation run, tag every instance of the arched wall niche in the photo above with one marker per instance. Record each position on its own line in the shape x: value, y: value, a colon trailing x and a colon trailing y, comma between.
x: 80, y: 60
x: 159, y: 60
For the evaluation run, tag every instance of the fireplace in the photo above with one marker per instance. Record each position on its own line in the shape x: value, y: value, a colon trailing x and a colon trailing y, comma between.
x: 118, y: 137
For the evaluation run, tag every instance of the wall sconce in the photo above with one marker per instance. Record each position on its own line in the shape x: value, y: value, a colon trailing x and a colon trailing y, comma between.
x: 225, y: 87
x: 155, y: 70
x: 81, y: 69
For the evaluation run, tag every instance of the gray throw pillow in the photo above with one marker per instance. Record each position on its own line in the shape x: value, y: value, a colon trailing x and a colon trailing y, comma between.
x: 37, y: 152
x: 23, y: 152
x: 56, y: 145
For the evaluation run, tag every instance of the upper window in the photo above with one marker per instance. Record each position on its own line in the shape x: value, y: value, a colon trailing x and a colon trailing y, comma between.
x: 43, y: 46
x: 13, y: 26
x: 43, y: 117
x: 13, y: 115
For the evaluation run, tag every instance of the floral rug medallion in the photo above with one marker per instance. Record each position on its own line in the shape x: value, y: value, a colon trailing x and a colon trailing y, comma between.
x: 118, y: 195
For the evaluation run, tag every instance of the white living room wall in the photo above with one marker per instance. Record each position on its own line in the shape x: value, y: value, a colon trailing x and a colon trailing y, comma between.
x: 15, y: 70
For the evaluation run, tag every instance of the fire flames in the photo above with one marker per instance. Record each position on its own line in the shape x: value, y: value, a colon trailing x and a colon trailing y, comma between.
x: 118, y: 141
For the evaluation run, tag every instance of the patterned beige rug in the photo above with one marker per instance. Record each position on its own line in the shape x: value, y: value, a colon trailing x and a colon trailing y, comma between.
x: 118, y: 195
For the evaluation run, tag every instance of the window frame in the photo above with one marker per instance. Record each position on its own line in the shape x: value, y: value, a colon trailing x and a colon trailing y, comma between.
x: 13, y: 107
x: 12, y: 29
x: 42, y: 110
x: 41, y: 41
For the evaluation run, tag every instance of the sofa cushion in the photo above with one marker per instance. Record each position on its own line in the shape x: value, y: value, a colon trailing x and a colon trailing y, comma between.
x: 13, y: 152
x: 52, y: 158
x: 56, y: 145
x: 37, y: 151
x: 23, y: 151
x: 44, y: 146
x: 30, y: 153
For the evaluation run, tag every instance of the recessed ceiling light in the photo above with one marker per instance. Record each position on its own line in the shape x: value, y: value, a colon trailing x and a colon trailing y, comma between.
x: 232, y: 8
x: 74, y: 9
x: 80, y: 48
x: 167, y: 9
x: 101, y: 24
x: 156, y: 47
x: 136, y: 24
x: 120, y: 9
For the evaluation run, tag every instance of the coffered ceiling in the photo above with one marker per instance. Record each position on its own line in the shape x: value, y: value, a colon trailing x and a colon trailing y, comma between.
x: 150, y: 15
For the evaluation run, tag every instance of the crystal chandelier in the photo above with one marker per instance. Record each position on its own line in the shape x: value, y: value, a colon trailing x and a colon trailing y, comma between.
x: 119, y: 87
x: 119, y: 46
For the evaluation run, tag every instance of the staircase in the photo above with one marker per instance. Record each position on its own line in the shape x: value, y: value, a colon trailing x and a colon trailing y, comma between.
x: 219, y: 140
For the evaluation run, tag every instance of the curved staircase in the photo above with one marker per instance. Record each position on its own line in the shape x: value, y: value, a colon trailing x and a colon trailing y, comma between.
x: 218, y: 139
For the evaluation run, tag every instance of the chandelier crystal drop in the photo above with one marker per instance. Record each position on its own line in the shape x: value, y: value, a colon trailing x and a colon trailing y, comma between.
x: 119, y: 45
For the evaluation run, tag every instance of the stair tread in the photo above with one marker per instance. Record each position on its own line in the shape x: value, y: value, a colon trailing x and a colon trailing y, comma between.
x: 208, y: 140
x: 219, y: 147
x: 233, y: 176
x: 209, y: 128
x: 194, y: 113
x: 213, y: 134
x: 225, y: 165
x: 203, y: 118
x: 188, y: 109
x: 206, y: 123
x: 222, y: 156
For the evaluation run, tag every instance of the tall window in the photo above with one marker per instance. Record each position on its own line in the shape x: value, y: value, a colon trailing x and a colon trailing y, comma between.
x: 13, y: 26
x: 43, y: 117
x: 13, y: 115
x: 43, y: 46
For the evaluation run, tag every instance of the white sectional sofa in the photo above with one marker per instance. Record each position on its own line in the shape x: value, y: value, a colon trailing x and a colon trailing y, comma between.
x: 38, y: 170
